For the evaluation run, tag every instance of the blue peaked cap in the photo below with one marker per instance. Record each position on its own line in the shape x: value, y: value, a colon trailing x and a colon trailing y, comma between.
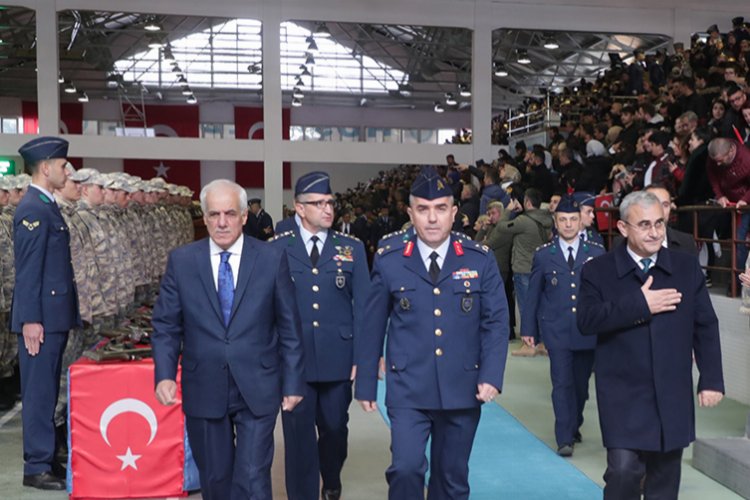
x: 567, y: 205
x: 314, y: 182
x: 429, y: 185
x: 43, y: 148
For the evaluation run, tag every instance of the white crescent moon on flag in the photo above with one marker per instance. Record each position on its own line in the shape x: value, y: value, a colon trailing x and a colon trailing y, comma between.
x: 128, y: 405
x: 256, y: 126
x: 161, y: 130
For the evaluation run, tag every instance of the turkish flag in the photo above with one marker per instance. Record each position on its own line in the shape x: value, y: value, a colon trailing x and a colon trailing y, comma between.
x: 169, y: 121
x: 123, y: 442
x: 71, y: 121
x: 248, y: 124
x: 603, y: 218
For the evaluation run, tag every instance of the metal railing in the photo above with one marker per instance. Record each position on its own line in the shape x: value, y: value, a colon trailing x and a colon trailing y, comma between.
x: 694, y: 211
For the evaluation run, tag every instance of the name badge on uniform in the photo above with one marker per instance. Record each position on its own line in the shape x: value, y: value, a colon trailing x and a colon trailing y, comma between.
x: 340, y: 281
x: 467, y: 303
x: 405, y: 305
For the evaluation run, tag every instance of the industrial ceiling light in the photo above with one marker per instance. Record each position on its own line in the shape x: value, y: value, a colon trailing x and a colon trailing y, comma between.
x: 60, y: 78
x: 322, y: 31
x: 167, y: 55
x: 405, y: 89
x: 186, y: 91
x: 192, y: 100
x: 296, y: 103
x: 464, y: 90
x: 312, y: 47
x: 297, y: 93
x: 254, y: 68
x: 450, y: 99
x: 551, y: 44
x: 303, y: 70
x: 70, y: 88
x: 152, y: 25
x: 500, y: 69
x: 155, y: 42
x: 177, y: 71
x: 438, y: 107
x: 309, y: 59
x: 523, y: 57
x: 82, y: 97
x: 299, y: 82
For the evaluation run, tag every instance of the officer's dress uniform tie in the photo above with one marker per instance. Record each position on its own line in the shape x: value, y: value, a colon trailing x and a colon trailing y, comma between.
x: 226, y: 287
x: 646, y: 263
x: 314, y: 254
x: 434, y: 268
x: 571, y: 259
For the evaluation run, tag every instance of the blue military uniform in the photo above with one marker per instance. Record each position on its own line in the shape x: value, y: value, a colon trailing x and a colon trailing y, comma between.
x: 551, y: 315
x: 444, y: 338
x: 45, y: 292
x: 331, y: 297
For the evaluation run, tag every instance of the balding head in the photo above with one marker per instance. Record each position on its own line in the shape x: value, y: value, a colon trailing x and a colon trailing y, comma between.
x: 722, y: 150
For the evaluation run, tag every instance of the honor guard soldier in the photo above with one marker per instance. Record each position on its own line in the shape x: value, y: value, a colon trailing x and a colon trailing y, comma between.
x: 551, y: 314
x: 45, y: 305
x: 331, y: 280
x: 440, y: 297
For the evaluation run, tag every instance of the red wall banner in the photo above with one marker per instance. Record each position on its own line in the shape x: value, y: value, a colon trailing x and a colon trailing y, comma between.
x: 169, y: 121
x: 248, y: 124
x: 71, y: 121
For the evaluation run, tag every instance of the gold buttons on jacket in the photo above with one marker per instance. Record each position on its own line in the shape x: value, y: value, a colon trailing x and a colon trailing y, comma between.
x: 315, y: 271
x: 52, y: 292
x: 316, y: 306
x: 436, y: 291
x: 438, y: 312
x: 438, y: 352
x: 573, y: 309
x: 438, y: 332
x: 572, y: 297
x: 316, y: 324
x: 315, y: 288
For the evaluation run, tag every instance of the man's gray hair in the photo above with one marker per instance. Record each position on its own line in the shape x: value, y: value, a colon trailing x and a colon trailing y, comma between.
x: 641, y: 198
x: 223, y: 183
x: 719, y: 147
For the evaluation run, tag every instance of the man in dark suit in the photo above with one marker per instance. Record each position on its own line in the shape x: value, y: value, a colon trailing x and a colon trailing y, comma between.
x: 44, y: 307
x: 550, y: 314
x: 241, y: 349
x: 441, y: 299
x: 331, y: 278
x: 259, y: 224
x: 650, y: 309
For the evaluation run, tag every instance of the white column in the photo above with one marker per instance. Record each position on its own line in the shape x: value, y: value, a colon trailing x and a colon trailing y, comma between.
x: 47, y: 63
x: 481, y: 83
x: 272, y: 105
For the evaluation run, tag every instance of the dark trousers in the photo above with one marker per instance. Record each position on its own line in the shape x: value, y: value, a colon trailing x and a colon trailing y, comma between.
x: 233, y: 453
x: 40, y: 383
x: 309, y: 456
x: 626, y: 468
x: 452, y: 433
x: 570, y: 372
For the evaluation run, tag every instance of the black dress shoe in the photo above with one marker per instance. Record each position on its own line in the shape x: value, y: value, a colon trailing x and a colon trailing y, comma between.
x: 577, y: 438
x: 331, y: 494
x: 59, y: 471
x: 44, y: 481
x: 565, y: 450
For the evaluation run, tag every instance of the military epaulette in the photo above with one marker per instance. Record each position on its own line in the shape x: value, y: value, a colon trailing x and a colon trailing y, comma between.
x: 344, y: 235
x: 595, y: 244
x: 283, y: 235
x: 465, y: 242
x: 393, y: 244
x: 391, y: 235
x: 402, y: 234
x: 546, y: 245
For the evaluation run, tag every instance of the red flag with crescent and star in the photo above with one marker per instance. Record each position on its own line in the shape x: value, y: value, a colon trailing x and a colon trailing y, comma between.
x: 169, y: 121
x: 123, y: 442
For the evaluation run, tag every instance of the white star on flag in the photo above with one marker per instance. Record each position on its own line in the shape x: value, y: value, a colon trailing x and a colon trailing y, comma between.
x: 161, y: 170
x: 128, y: 460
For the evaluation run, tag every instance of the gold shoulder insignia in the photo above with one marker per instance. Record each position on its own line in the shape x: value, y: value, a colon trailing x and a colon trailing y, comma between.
x: 381, y: 250
x: 350, y: 236
x: 30, y: 225
x: 485, y: 248
x: 282, y: 235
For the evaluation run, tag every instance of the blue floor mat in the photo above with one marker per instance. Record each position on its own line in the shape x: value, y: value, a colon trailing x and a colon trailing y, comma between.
x: 508, y: 461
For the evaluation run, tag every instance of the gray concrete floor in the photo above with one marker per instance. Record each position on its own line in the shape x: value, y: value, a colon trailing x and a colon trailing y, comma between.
x: 526, y: 395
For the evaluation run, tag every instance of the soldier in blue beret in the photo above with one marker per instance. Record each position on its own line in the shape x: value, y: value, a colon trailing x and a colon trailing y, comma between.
x: 550, y: 313
x: 442, y: 301
x: 45, y: 305
x: 587, y: 202
x: 331, y: 280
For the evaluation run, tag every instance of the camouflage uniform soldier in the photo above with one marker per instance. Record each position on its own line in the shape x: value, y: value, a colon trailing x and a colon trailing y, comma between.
x: 8, y: 341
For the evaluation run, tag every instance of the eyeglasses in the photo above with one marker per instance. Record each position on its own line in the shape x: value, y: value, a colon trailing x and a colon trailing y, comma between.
x: 319, y: 204
x: 646, y: 226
